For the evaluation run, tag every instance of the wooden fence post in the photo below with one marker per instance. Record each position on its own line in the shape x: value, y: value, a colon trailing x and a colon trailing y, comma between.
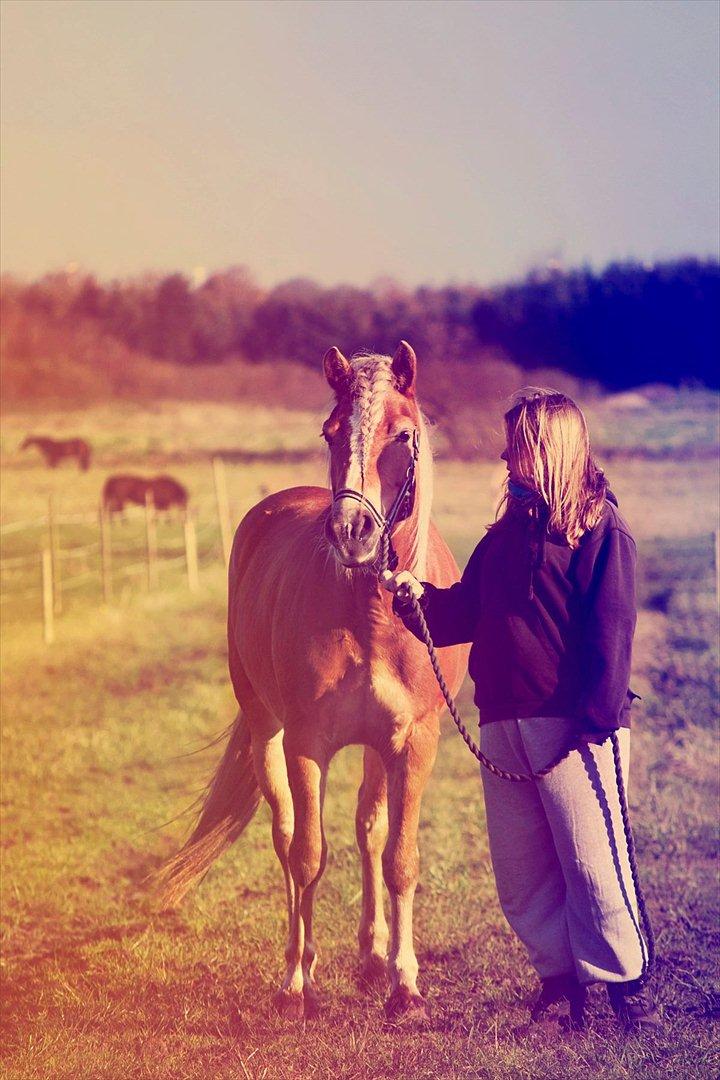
x: 55, y: 556
x: 106, y: 555
x: 47, y: 597
x: 191, y: 559
x: 151, y: 538
x: 222, y: 506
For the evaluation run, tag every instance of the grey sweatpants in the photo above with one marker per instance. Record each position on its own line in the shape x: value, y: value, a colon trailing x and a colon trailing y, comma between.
x: 559, y: 853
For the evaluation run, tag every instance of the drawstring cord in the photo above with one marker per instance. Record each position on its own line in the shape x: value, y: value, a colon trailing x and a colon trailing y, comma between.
x: 538, y: 516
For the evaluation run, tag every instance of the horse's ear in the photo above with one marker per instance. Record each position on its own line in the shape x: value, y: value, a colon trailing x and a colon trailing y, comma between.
x: 404, y: 366
x: 337, y: 369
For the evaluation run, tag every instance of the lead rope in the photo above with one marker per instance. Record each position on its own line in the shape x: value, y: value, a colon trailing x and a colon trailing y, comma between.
x: 647, y: 951
x: 502, y: 774
x: 647, y: 947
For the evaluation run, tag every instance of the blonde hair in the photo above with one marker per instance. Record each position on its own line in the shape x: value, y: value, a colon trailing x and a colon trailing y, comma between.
x: 548, y: 451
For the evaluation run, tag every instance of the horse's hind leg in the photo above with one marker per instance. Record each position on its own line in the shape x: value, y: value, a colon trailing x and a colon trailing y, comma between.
x: 371, y: 830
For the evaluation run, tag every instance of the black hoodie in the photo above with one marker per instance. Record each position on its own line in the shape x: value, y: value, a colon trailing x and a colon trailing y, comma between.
x: 551, y: 626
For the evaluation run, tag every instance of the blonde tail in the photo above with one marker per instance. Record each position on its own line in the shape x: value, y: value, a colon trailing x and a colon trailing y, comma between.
x: 231, y: 800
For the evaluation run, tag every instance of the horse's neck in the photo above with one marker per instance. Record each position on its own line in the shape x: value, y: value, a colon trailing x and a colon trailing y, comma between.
x: 412, y: 536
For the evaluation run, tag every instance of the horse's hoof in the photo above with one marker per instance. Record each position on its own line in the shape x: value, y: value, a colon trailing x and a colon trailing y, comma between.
x: 373, y: 971
x: 403, y: 1005
x: 290, y: 1004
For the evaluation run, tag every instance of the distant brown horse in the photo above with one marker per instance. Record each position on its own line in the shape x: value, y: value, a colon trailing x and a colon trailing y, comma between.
x: 318, y: 661
x: 164, y: 491
x: 54, y: 450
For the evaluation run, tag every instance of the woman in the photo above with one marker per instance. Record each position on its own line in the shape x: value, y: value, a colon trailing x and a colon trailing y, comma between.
x: 548, y: 601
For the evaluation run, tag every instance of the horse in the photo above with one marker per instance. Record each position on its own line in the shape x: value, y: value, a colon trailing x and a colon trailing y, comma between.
x: 54, y: 450
x: 164, y: 491
x: 318, y: 661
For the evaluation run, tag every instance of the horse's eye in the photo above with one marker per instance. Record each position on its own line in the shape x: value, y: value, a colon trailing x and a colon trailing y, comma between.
x: 403, y: 436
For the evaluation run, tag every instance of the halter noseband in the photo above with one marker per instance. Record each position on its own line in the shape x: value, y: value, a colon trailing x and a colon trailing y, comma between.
x: 402, y: 503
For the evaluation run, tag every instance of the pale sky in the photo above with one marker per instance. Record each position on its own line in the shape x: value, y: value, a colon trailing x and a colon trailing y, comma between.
x: 347, y: 140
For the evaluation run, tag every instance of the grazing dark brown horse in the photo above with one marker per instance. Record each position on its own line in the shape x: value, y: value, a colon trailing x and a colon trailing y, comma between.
x: 165, y: 492
x: 318, y: 661
x: 54, y: 450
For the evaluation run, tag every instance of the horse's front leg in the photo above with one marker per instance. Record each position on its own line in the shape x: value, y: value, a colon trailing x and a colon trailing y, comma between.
x: 371, y: 830
x: 308, y: 854
x: 408, y: 772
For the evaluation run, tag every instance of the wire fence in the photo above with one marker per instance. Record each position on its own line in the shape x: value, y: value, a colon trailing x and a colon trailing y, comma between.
x: 59, y: 559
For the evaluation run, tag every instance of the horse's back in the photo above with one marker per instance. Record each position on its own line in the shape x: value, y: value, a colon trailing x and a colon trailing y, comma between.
x: 121, y: 483
x: 284, y: 527
x: 289, y: 514
x: 122, y: 488
x: 167, y: 491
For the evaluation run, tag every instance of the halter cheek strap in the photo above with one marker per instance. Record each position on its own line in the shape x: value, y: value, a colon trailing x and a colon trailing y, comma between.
x: 385, y: 523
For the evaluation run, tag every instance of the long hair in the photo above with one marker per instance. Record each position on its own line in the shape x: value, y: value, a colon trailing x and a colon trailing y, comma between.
x: 548, y: 451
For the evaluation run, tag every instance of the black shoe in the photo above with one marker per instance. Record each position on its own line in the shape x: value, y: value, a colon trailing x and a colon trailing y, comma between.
x: 561, y: 988
x: 634, y: 1008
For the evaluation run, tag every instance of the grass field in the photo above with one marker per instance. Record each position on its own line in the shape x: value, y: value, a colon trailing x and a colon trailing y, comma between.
x: 100, y: 735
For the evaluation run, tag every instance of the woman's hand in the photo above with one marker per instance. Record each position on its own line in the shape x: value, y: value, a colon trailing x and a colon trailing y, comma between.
x: 402, y: 583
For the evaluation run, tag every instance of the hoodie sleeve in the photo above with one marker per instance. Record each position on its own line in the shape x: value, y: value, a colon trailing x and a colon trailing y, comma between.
x: 451, y: 614
x: 608, y: 629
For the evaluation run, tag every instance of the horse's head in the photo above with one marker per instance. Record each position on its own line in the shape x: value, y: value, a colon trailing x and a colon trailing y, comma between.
x: 373, y: 433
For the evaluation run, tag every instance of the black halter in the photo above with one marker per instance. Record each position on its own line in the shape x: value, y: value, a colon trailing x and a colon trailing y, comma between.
x: 401, y: 506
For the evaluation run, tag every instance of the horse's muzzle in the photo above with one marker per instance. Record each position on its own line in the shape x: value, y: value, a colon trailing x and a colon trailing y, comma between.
x: 353, y: 534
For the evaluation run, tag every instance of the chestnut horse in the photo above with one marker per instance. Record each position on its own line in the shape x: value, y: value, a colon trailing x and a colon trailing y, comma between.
x: 319, y: 661
x: 164, y: 490
x: 54, y: 450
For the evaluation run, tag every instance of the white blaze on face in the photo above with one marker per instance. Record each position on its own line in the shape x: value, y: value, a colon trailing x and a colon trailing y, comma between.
x: 373, y: 380
x: 356, y: 462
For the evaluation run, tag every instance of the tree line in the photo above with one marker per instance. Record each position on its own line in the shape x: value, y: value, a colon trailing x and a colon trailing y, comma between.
x: 625, y: 325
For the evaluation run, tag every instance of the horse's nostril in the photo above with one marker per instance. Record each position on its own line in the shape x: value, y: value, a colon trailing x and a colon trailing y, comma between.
x: 361, y: 527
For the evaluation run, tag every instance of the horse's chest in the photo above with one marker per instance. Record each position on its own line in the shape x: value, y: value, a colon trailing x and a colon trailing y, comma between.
x: 387, y: 691
x: 343, y: 668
